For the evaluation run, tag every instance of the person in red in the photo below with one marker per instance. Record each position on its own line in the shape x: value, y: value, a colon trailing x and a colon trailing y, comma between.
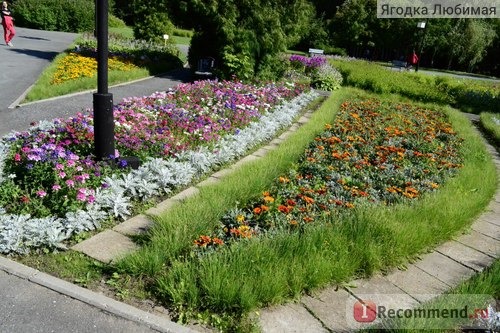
x: 8, y: 24
x: 412, y: 60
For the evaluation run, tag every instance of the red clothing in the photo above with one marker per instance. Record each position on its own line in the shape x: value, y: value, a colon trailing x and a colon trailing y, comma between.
x: 413, y: 59
x: 8, y: 26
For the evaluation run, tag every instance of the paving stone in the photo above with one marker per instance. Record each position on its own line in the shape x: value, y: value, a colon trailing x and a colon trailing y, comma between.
x: 292, y: 318
x: 261, y: 152
x: 162, y: 207
x: 417, y: 283
x: 294, y: 127
x: 487, y: 228
x: 465, y: 255
x: 136, y: 225
x: 207, y: 182
x: 106, y: 246
x: 494, y: 207
x: 245, y: 160
x: 330, y: 306
x: 303, y: 120
x: 491, y: 218
x: 222, y: 173
x: 285, y: 135
x: 482, y: 243
x: 187, y: 193
x: 377, y: 292
x: 445, y: 269
x: 276, y: 141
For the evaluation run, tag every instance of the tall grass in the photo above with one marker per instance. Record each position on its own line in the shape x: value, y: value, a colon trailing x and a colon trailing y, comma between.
x: 490, y: 123
x: 271, y: 269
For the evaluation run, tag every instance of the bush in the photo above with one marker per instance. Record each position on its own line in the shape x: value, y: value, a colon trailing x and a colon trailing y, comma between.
x: 153, y: 26
x: 55, y: 15
x: 115, y: 22
x: 183, y: 33
x: 326, y: 78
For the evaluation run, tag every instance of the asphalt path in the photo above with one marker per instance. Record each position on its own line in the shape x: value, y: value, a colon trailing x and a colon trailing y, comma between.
x: 21, y: 65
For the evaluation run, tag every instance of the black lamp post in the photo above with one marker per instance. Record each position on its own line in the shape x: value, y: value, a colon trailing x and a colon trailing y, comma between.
x: 421, y: 25
x: 104, y: 126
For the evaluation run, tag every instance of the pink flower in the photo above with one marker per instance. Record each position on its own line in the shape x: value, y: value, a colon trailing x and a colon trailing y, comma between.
x: 81, y: 196
x: 59, y: 166
x: 17, y: 157
x: 41, y: 193
x: 56, y: 187
x: 70, y: 183
x: 62, y: 174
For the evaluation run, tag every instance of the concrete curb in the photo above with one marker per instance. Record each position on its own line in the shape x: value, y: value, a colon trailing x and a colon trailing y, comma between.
x: 99, y: 301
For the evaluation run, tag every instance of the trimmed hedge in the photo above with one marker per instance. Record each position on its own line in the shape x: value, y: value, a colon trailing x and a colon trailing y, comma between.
x: 55, y: 15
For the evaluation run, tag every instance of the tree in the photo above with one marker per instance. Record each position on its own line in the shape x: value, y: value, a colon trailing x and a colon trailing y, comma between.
x: 246, y: 35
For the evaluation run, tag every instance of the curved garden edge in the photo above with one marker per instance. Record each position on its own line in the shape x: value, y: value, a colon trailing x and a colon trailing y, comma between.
x: 167, y: 239
x: 415, y: 284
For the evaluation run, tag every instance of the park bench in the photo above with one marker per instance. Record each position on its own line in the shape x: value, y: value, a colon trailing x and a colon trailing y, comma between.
x: 205, y: 68
x: 400, y: 64
x: 316, y: 52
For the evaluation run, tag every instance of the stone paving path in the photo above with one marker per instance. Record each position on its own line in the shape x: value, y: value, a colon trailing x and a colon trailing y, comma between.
x: 330, y: 309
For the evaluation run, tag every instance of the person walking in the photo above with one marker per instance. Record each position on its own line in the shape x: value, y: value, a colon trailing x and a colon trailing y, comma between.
x: 8, y: 24
x: 412, y: 60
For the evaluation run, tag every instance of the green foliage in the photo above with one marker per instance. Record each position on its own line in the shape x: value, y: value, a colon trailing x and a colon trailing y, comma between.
x: 183, y: 33
x: 115, y: 22
x: 238, y: 65
x: 272, y: 68
x: 327, y: 78
x: 490, y: 123
x: 153, y: 26
x: 56, y: 15
x: 257, y: 29
x: 469, y: 95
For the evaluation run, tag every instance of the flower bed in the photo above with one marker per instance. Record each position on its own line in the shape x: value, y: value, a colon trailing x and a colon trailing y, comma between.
x: 375, y: 153
x: 52, y: 187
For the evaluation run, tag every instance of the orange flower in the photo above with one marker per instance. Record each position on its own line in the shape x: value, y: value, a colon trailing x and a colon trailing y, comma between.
x: 285, y: 209
x: 257, y: 210
x: 268, y: 199
x: 308, y: 219
x: 217, y: 241
x: 284, y: 180
x: 307, y: 199
x: 203, y: 241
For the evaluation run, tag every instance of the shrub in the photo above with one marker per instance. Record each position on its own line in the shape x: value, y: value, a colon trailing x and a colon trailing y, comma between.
x: 326, y: 78
x: 183, y: 32
x: 153, y: 26
x: 115, y: 22
x: 55, y: 15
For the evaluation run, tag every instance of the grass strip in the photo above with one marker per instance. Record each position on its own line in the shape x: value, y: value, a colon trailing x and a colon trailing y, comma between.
x: 490, y: 123
x: 269, y: 270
